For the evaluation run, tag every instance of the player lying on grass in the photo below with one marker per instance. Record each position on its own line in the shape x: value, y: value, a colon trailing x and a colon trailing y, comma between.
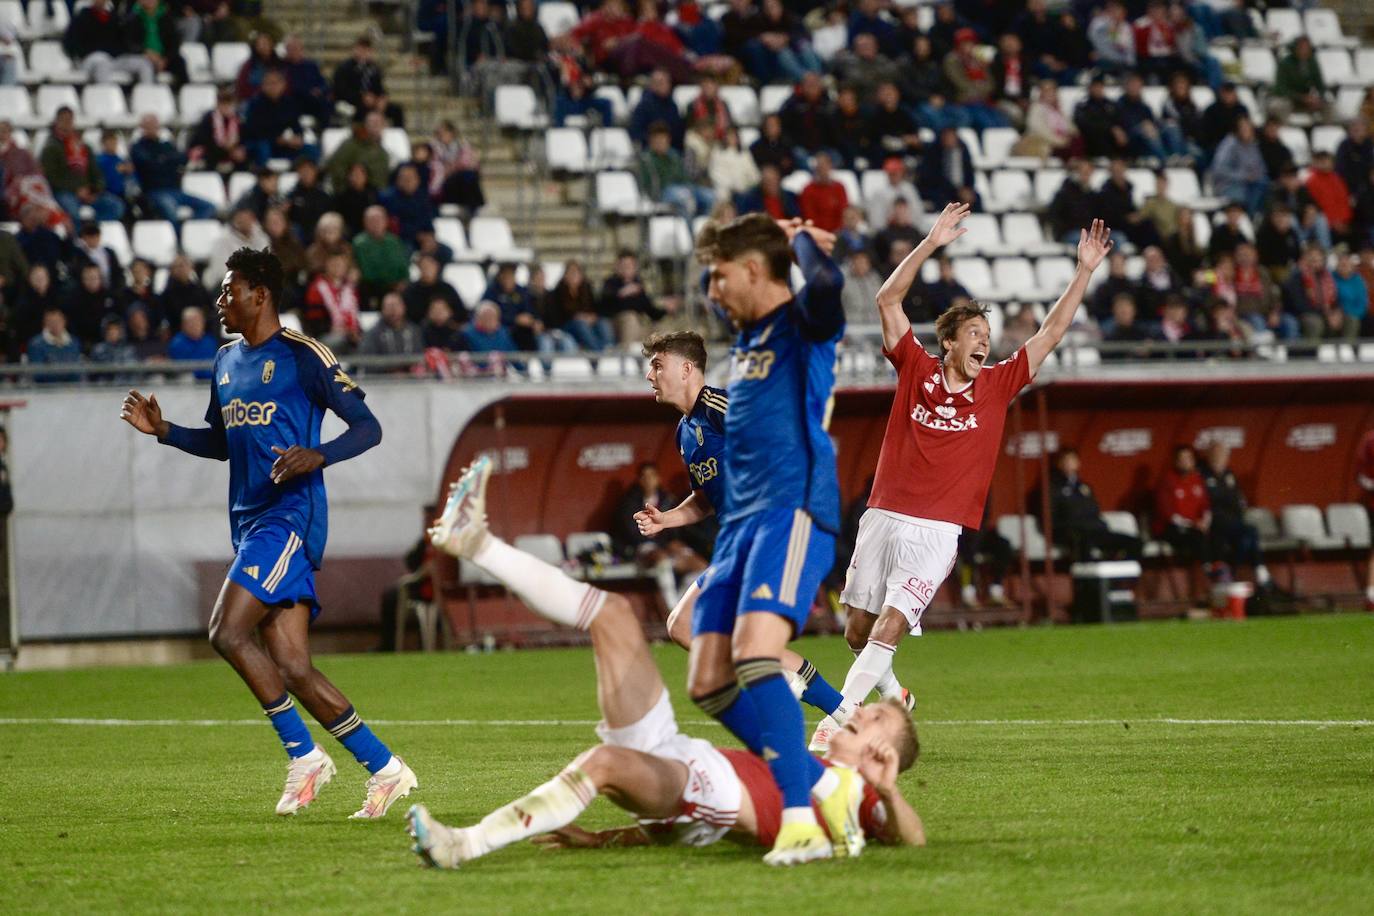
x: 938, y: 455
x: 677, y: 367
x: 268, y: 396
x: 679, y: 788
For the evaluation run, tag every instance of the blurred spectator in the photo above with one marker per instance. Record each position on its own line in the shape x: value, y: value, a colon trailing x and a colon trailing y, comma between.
x: 241, y: 231
x: 192, y: 343
x: 358, y: 84
x: 115, y: 169
x: 625, y: 300
x: 1175, y: 324
x: 929, y: 301
x: 1114, y: 204
x: 780, y: 47
x: 23, y: 182
x: 329, y: 239
x: 1238, y: 171
x: 113, y: 348
x: 1254, y: 294
x: 1225, y: 325
x: 150, y: 29
x: 1021, y: 326
x: 1100, y: 123
x: 882, y: 199
x: 824, y: 200
x: 983, y: 546
x: 1124, y: 328
x: 1232, y: 539
x: 1049, y: 130
x: 647, y: 490
x: 709, y: 107
x: 13, y: 266
x: 1148, y: 137
x: 1184, y: 252
x: 1114, y: 284
x: 354, y: 198
x: 518, y: 313
x: 1309, y: 221
x: 573, y: 307
x: 442, y: 331
x: 922, y: 81
x: 656, y: 104
x: 144, y: 337
x: 1310, y: 294
x: 769, y: 196
x: 1362, y: 228
x: 860, y: 292
x: 408, y: 204
x: 1329, y: 191
x: 853, y: 234
x: 651, y: 45
x: 97, y: 44
x: 308, y: 200
x: 1160, y: 209
x: 808, y: 117
x: 158, y: 165
x: 484, y: 333
x: 1298, y: 84
x: 1355, y: 157
x: 972, y: 83
x: 382, y: 259
x: 663, y: 177
x: 575, y: 100
x: 454, y: 176
x: 54, y: 345
x: 1077, y: 520
x: 1183, y: 512
x: 732, y: 169
x: 772, y: 148
x: 1041, y: 33
x: 1180, y: 115
x: 1230, y: 233
x: 947, y: 171
x: 599, y: 33
x: 39, y: 243
x: 223, y: 25
x: 892, y: 131
x: 1219, y: 120
x: 363, y: 148
x: 306, y: 83
x: 1277, y: 241
x: 1156, y: 43
x: 899, y: 228
x: 395, y: 334
x: 1158, y: 282
x: 183, y: 290
x: 89, y: 303
x: 1276, y: 154
x: 1012, y: 77
x: 1351, y: 294
x: 853, y: 126
x: 36, y: 296
x: 70, y: 169
x: 524, y: 38
x: 428, y: 287
x: 1074, y: 205
x: 330, y: 310
x: 1112, y: 39
x: 272, y: 123
x: 282, y: 241
x: 262, y: 58
x: 218, y: 139
x: 863, y: 67
x: 87, y: 249
x: 948, y: 21
x: 1194, y: 45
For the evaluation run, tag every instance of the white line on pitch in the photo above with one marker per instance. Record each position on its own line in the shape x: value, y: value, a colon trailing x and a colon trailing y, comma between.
x: 583, y: 723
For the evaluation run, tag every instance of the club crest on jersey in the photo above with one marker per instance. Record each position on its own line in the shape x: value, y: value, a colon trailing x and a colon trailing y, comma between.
x: 269, y: 368
x: 946, y: 411
x: 946, y: 421
x: 701, y: 440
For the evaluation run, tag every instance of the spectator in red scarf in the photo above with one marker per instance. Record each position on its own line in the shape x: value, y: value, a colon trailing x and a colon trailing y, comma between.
x: 1331, y: 193
x: 972, y: 82
x: 1012, y: 77
x: 217, y: 140
x: 1256, y: 298
x: 1310, y: 294
x: 1156, y: 44
x: 70, y: 168
x: 709, y: 106
x: 1183, y: 513
x: 769, y: 197
x: 823, y: 200
x: 331, y: 305
x: 600, y: 33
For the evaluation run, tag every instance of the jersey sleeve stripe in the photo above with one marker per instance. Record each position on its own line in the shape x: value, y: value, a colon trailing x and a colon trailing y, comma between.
x: 715, y: 402
x: 324, y: 353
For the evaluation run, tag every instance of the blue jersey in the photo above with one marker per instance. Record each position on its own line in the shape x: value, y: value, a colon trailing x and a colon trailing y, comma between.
x: 782, y: 375
x: 276, y: 394
x: 701, y: 442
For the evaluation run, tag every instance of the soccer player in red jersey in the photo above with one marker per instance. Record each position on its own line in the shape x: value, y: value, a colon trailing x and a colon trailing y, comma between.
x: 938, y: 455
x: 1364, y: 476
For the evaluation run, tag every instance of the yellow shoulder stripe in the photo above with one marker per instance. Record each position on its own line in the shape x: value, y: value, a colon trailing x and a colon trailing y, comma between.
x: 326, y: 356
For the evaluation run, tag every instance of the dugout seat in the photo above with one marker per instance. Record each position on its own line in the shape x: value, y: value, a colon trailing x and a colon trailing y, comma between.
x: 1348, y: 523
x: 1303, y: 523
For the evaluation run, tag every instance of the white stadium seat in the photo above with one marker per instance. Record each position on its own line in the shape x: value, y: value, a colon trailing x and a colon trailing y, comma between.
x: 468, y: 279
x: 155, y: 240
x: 1009, y: 190
x: 546, y: 547
x: 1326, y: 137
x: 669, y: 237
x: 52, y: 19
x: 114, y: 236
x: 396, y: 142
x: 154, y: 98
x: 331, y: 138
x: 772, y: 98
x: 12, y: 14
x: 565, y: 150
x: 976, y: 276
x: 449, y: 230
x: 1024, y: 235
x: 1284, y: 24
x: 198, y: 236
x: 1303, y: 523
x: 240, y: 183
x: 796, y: 181
x: 620, y: 108
x: 194, y: 100
x: 984, y: 235
x: 997, y: 144
x: 227, y: 58
x: 1348, y: 522
x: 517, y: 107
x: 975, y: 146
x: 1010, y: 527
x: 557, y: 17
x: 48, y: 63
x: 743, y: 104
x: 852, y: 191
x: 1324, y: 28
x: 1337, y: 69
x: 197, y: 59
x: 685, y: 95
x: 17, y: 105
x: 1015, y: 277
x: 208, y: 186
x: 1047, y: 182
x: 1054, y: 273
x: 1257, y: 65
x: 617, y: 194
x: 50, y: 98
x: 490, y: 236
x: 611, y: 148
x: 105, y: 104
x: 1295, y: 138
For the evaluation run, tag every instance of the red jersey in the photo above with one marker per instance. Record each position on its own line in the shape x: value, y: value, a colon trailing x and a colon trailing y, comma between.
x: 763, y: 791
x: 1364, y: 468
x: 940, y: 447
x: 1184, y: 495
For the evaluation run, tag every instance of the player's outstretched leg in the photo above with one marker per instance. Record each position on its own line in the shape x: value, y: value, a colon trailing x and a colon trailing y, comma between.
x: 285, y: 636
x: 859, y: 625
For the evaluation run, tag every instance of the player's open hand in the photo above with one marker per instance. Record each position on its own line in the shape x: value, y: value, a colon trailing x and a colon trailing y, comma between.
x: 143, y: 414
x: 569, y: 837
x: 878, y: 766
x: 650, y: 521
x: 293, y: 462
x: 947, y: 228
x: 1094, y: 244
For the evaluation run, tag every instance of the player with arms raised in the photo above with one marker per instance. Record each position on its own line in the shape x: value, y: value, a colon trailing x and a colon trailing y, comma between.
x: 679, y: 788
x: 677, y: 373
x: 938, y: 455
x: 268, y: 396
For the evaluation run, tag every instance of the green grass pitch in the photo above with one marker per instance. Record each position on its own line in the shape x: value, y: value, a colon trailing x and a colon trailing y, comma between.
x: 1183, y: 768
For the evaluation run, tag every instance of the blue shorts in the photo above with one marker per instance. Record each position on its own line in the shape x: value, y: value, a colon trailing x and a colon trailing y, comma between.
x: 272, y: 564
x: 771, y: 561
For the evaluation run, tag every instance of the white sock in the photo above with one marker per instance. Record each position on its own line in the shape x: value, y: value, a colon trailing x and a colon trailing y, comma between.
x: 555, y: 804
x: 794, y: 680
x: 1369, y: 593
x: 1262, y: 574
x: 996, y: 592
x: 393, y: 766
x: 667, y: 583
x: 969, y: 594
x: 868, y: 669
x: 888, y: 687
x: 805, y: 815
x: 548, y: 590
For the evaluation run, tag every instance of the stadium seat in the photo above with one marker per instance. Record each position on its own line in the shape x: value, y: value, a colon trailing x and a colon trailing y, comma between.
x: 1324, y: 28
x: 997, y: 144
x: 1349, y: 523
x: 368, y: 320
x: 240, y: 183
x: 1184, y: 188
x: 1326, y: 137
x: 396, y: 142
x: 587, y: 542
x: 850, y: 180
x: 226, y: 58
x: 611, y: 148
x: 1283, y: 24
x: 1337, y: 69
x: 115, y: 237
x: 491, y: 237
x: 155, y: 240
x: 1271, y: 538
x: 18, y: 107
x: 154, y: 98
x: 1047, y: 182
x: 12, y: 14
x: 669, y: 237
x: 984, y: 236
x: 1154, y: 96
x: 565, y: 150
x: 198, y: 236
x: 50, y: 98
x: 1015, y: 277
x: 617, y: 194
x: 557, y: 17
x: 796, y: 181
x: 1009, y: 190
x: 1023, y: 235
x: 1009, y: 526
x: 197, y: 58
x: 1070, y: 97
x: 976, y: 276
x: 1303, y: 523
x: 743, y: 103
x: 47, y: 19
x: 1142, y: 182
x: 331, y: 138
x: 772, y: 98
x: 620, y: 108
x: 1121, y: 523
x: 1203, y: 97
x: 105, y: 104
x: 1054, y: 273
x: 207, y: 186
x: 553, y: 272
x: 517, y: 108
x: 1257, y: 65
x: 194, y: 100
x: 468, y: 279
x: 48, y: 63
x: 449, y: 231
x: 975, y: 146
x: 570, y: 368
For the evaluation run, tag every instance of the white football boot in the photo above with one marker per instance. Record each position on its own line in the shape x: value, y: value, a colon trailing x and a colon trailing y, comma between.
x: 385, y: 791
x: 437, y: 845
x: 462, y: 527
x: 305, y: 777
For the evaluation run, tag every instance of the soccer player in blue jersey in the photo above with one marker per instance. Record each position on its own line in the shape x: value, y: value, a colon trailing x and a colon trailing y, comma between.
x: 268, y: 396
x: 782, y: 513
x: 677, y: 373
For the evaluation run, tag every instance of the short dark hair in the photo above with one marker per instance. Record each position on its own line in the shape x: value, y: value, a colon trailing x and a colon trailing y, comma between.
x: 952, y: 319
x: 659, y: 127
x: 753, y: 232
x: 259, y: 269
x: 687, y: 344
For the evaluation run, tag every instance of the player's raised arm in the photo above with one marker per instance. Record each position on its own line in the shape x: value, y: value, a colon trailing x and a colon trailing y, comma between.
x: 820, y: 303
x: 145, y: 415
x: 893, y: 292
x: 1093, y: 246
x: 651, y: 519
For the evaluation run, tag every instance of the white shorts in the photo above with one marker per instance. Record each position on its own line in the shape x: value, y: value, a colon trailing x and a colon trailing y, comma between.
x: 711, y: 798
x: 899, y: 562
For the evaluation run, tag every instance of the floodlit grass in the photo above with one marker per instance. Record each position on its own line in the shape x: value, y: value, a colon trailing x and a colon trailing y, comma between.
x: 1049, y: 782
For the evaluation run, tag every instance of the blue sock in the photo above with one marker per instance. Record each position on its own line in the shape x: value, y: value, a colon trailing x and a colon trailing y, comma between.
x: 295, y: 737
x: 732, y: 708
x: 783, y: 731
x: 365, y: 747
x: 818, y: 691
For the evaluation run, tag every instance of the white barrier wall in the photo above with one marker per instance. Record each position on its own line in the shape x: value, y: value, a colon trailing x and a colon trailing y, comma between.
x: 108, y: 524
